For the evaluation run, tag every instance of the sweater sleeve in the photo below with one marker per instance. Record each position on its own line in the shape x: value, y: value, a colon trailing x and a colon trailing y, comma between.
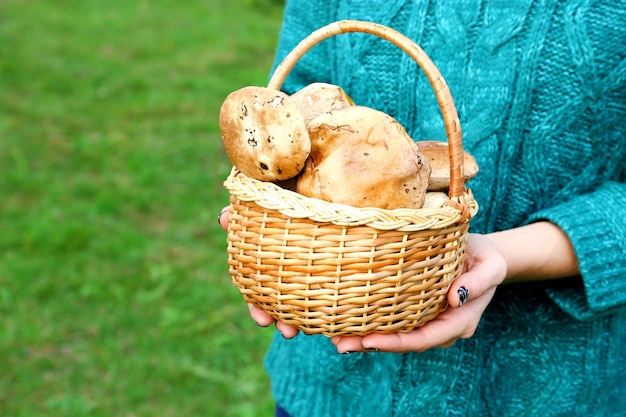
x: 596, y: 226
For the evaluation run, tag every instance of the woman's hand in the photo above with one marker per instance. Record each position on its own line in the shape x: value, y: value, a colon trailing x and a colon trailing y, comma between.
x: 538, y: 251
x: 469, y: 296
x: 261, y: 317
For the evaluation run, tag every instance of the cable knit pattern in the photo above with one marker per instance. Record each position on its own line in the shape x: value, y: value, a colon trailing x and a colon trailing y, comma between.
x: 540, y: 87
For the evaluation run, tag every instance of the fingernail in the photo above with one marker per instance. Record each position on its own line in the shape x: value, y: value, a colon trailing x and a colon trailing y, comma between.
x: 347, y: 352
x: 372, y: 350
x: 463, y: 295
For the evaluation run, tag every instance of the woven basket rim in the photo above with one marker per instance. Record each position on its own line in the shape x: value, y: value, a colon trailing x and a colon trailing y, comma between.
x: 291, y: 204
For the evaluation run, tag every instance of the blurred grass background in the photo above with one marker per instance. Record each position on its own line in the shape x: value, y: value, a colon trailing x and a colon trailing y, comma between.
x: 114, y: 293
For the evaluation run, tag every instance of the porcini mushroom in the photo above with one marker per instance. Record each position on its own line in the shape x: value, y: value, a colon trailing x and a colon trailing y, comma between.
x: 319, y: 98
x: 264, y: 133
x: 435, y: 199
x: 437, y: 154
x: 364, y: 158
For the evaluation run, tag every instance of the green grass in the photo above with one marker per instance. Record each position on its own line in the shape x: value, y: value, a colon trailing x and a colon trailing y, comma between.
x: 114, y: 293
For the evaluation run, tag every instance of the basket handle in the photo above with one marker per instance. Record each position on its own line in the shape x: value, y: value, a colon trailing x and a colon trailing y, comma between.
x: 444, y: 98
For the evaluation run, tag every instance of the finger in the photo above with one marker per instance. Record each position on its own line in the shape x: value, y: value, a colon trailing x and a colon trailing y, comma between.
x: 260, y: 316
x: 442, y: 331
x: 222, y: 218
x: 348, y: 344
x: 418, y: 340
x: 462, y: 293
x: 286, y: 330
x: 473, y: 284
x: 469, y: 285
x: 486, y: 270
x: 263, y: 319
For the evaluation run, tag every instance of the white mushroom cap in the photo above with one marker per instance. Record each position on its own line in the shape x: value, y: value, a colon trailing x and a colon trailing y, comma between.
x: 437, y: 154
x: 435, y: 199
x: 264, y: 133
x: 319, y: 98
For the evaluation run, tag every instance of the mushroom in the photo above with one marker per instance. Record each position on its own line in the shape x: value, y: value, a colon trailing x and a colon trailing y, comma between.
x: 437, y: 154
x: 319, y: 98
x: 435, y: 199
x: 264, y: 133
x: 364, y: 158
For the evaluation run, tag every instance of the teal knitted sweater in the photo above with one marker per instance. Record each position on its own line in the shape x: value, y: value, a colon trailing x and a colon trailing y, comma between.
x: 540, y: 87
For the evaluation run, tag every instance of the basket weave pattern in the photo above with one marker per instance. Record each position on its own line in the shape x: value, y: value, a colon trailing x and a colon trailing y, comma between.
x: 334, y: 269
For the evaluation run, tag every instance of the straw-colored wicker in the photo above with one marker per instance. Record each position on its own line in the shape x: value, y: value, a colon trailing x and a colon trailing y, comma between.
x: 334, y: 269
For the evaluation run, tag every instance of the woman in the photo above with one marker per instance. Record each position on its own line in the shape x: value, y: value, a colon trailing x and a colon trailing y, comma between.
x: 538, y: 321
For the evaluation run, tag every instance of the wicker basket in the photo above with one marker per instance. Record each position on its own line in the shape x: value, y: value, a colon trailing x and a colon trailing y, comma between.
x: 334, y: 269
